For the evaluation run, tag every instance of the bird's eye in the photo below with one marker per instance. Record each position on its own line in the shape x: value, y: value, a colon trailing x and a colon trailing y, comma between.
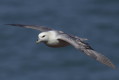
x: 43, y: 36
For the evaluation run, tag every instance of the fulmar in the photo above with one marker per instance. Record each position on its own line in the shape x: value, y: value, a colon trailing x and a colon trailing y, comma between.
x: 55, y: 38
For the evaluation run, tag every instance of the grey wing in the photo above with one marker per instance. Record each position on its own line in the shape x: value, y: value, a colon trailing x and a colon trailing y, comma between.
x: 78, y: 38
x: 84, y: 47
x: 40, y: 28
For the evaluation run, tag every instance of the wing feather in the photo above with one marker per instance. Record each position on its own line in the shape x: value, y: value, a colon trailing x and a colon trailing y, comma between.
x: 84, y: 47
x: 36, y: 27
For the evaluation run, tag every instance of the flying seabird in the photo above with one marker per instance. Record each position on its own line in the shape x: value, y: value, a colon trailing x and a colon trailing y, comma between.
x: 55, y: 38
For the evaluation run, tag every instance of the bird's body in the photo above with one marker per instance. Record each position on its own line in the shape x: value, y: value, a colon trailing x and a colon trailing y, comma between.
x: 53, y: 41
x: 55, y: 38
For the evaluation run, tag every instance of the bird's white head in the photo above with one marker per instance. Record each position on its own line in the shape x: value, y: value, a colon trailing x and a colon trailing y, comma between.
x: 42, y: 37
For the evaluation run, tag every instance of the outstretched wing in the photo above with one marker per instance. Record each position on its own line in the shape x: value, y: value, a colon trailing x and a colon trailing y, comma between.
x: 84, y: 47
x: 40, y: 28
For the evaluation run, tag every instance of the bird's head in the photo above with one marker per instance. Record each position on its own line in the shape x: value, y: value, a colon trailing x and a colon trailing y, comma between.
x: 42, y: 37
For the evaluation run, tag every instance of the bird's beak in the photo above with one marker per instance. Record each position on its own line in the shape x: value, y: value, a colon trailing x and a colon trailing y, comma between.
x: 38, y: 41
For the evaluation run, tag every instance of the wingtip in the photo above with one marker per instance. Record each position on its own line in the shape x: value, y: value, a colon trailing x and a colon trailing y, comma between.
x: 19, y: 25
x: 113, y: 66
x: 15, y: 24
x: 9, y: 24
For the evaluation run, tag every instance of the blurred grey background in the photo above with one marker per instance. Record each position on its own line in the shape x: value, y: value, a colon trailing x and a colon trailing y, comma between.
x: 22, y: 59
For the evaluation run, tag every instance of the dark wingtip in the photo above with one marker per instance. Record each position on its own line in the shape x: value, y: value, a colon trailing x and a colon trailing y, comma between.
x: 21, y: 25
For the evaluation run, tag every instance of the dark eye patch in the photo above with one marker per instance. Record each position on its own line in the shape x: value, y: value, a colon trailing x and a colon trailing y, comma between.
x: 43, y: 36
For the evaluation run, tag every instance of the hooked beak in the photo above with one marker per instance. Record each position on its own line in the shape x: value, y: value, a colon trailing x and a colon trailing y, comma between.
x: 38, y: 41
